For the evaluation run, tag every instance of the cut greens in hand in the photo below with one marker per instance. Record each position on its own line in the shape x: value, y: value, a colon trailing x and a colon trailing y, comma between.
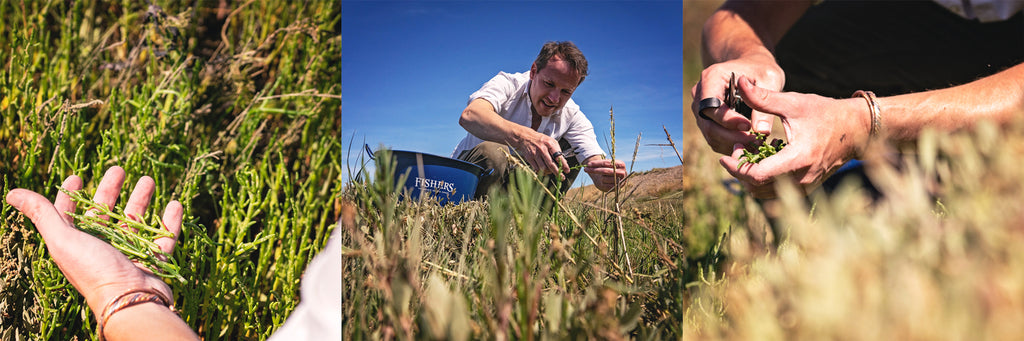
x: 764, y: 150
x: 139, y: 245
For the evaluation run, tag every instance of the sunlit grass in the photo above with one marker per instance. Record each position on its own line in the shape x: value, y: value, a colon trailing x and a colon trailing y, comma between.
x: 937, y: 258
x: 524, y: 264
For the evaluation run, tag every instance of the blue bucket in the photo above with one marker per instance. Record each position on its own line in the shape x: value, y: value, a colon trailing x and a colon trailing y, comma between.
x: 446, y: 179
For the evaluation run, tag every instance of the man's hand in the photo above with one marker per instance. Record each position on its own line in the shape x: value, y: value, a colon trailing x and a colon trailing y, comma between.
x: 99, y: 271
x: 537, y: 148
x: 823, y: 134
x: 603, y: 174
x: 480, y: 119
x: 723, y: 127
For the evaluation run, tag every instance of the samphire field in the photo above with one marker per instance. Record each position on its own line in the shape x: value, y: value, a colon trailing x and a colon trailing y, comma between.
x: 233, y: 112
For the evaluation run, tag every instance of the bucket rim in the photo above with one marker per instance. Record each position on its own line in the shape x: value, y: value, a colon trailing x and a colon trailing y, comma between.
x: 472, y: 167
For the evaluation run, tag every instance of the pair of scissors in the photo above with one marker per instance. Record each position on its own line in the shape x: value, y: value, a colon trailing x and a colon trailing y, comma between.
x: 571, y: 152
x: 732, y: 100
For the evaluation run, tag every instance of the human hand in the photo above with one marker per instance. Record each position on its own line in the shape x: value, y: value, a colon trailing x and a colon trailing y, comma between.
x: 96, y: 269
x: 724, y: 127
x: 823, y: 133
x: 604, y: 175
x: 537, y: 148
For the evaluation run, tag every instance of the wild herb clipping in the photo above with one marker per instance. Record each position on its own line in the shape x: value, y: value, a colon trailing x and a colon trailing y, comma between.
x: 764, y: 150
x: 139, y: 246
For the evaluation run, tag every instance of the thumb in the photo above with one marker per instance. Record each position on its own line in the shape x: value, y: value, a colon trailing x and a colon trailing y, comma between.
x: 42, y: 213
x: 765, y: 103
x: 761, y: 122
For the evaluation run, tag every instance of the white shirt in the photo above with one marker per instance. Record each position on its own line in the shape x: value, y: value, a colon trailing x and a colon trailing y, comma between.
x: 318, y: 316
x: 509, y: 94
x: 983, y: 10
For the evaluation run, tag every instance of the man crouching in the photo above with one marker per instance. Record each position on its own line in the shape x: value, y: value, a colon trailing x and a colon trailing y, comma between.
x: 531, y: 115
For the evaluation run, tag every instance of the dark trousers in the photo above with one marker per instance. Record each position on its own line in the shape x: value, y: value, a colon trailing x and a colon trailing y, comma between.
x: 490, y: 155
x: 891, y: 48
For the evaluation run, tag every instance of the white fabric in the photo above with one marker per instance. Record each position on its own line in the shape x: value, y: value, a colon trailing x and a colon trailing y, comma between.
x: 509, y: 94
x: 984, y: 10
x: 318, y: 316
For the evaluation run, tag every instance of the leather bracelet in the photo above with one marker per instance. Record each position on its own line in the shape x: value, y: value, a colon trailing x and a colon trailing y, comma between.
x: 128, y: 299
x: 876, y: 112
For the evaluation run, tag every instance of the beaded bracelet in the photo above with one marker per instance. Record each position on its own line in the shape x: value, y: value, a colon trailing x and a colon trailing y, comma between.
x: 876, y: 113
x: 128, y: 299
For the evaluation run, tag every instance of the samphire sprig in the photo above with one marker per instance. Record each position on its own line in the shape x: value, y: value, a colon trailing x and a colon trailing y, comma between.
x: 139, y: 246
x: 764, y: 150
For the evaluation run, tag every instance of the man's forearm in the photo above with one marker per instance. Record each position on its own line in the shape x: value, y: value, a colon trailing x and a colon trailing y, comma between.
x: 741, y: 28
x: 480, y: 120
x: 999, y: 98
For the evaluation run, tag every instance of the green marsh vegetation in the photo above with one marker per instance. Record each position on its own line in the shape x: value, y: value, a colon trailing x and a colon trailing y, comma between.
x: 232, y: 111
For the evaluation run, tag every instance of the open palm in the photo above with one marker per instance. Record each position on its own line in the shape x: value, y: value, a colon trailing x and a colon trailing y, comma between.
x: 98, y: 270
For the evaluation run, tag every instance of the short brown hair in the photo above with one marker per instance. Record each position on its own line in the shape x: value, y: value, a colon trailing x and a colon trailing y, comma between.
x: 568, y: 51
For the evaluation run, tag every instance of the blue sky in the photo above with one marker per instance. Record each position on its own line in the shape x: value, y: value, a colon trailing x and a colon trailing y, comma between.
x: 408, y: 69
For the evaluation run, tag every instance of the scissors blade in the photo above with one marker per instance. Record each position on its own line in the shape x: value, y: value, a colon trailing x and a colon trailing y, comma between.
x: 733, y: 98
x: 565, y: 153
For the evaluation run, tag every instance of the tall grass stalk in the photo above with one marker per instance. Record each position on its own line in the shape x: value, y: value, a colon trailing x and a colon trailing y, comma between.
x: 620, y: 247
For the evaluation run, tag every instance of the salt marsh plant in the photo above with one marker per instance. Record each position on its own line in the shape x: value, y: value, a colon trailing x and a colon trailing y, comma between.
x: 233, y: 112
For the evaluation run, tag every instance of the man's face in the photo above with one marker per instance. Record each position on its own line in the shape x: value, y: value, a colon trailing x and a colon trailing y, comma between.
x: 551, y: 87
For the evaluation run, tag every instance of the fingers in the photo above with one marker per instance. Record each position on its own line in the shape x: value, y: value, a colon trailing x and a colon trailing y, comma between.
x: 565, y: 164
x: 604, y: 175
x: 765, y: 101
x: 714, y: 85
x: 604, y: 166
x: 759, y: 178
x: 135, y: 209
x: 63, y: 202
x: 762, y: 122
x: 172, y: 221
x: 721, y: 139
x: 550, y: 166
x: 44, y: 215
x: 538, y: 155
x: 108, y: 189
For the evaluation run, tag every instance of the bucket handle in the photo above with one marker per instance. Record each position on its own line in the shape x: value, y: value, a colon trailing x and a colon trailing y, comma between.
x: 369, y: 151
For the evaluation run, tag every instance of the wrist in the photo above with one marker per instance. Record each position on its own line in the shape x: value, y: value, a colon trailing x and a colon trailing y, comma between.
x: 139, y: 321
x: 130, y: 304
x: 517, y: 136
x: 868, y: 118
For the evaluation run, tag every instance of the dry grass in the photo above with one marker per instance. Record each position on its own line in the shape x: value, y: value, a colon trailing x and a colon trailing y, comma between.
x: 937, y: 259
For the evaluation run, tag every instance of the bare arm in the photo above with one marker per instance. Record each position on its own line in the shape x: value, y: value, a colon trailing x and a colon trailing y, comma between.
x: 739, y: 39
x: 999, y: 97
x: 147, y: 321
x: 824, y: 132
x: 744, y: 28
x: 480, y: 119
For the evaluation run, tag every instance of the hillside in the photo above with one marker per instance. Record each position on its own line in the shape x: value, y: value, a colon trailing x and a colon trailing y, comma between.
x: 659, y: 185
